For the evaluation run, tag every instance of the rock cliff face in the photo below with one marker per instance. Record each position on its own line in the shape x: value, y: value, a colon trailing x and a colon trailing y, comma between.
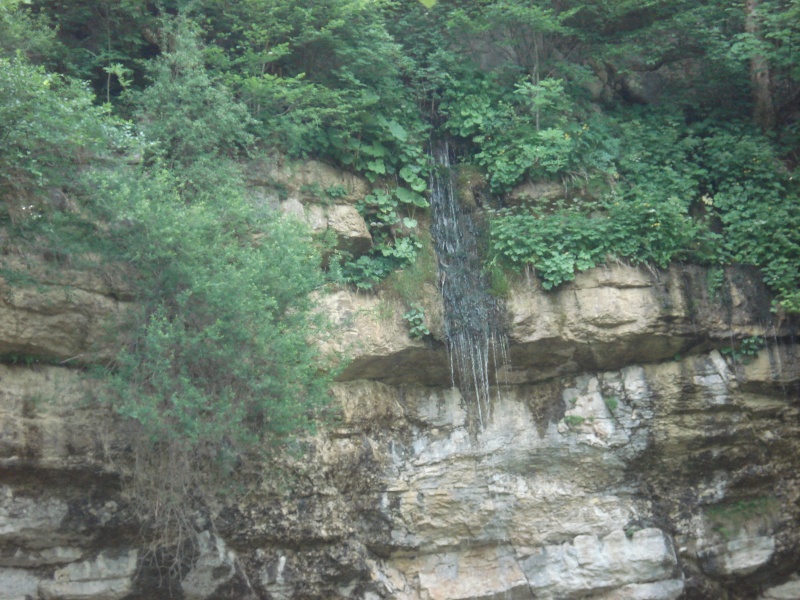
x: 628, y: 455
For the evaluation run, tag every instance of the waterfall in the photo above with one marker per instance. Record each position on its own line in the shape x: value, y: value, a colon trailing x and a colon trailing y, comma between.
x: 473, y: 317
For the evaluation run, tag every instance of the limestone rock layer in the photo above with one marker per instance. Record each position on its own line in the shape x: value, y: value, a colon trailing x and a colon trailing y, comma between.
x: 631, y: 452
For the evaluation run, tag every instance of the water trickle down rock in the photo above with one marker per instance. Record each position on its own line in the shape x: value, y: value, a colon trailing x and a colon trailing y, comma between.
x: 474, y: 334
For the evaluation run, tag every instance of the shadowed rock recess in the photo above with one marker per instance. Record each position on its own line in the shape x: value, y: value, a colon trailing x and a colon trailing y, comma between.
x: 628, y: 454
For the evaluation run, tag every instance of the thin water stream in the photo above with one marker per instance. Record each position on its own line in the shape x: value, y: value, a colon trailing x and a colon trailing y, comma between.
x: 476, y: 343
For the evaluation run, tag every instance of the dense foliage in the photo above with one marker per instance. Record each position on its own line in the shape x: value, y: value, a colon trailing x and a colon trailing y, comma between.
x: 709, y: 192
x: 552, y: 91
x: 671, y: 128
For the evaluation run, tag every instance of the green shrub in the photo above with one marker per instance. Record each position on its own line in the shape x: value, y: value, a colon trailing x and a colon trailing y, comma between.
x: 217, y: 364
x: 561, y: 243
x: 518, y: 134
x: 758, y: 203
x: 574, y: 420
x: 49, y: 126
x: 499, y: 286
x: 24, y: 33
x: 192, y: 121
x: 395, y: 243
x: 700, y: 192
x: 412, y: 282
x: 714, y: 281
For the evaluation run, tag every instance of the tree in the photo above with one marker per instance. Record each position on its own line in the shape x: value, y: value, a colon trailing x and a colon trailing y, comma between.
x: 23, y: 32
x: 192, y: 119
x: 763, y: 108
x: 48, y: 125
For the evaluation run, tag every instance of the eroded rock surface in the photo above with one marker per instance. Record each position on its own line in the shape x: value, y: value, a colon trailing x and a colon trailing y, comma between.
x: 627, y: 455
x: 59, y: 314
x: 606, y: 318
x: 316, y: 193
x: 108, y: 576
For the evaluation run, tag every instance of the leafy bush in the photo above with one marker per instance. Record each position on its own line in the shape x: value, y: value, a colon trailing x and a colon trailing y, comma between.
x: 367, y: 270
x: 217, y: 363
x: 192, y: 121
x: 556, y: 245
x: 746, y: 350
x: 697, y: 192
x: 574, y: 420
x: 518, y: 135
x: 219, y: 353
x: 413, y: 282
x: 49, y: 125
x: 758, y: 204
x: 563, y: 242
x: 24, y: 33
